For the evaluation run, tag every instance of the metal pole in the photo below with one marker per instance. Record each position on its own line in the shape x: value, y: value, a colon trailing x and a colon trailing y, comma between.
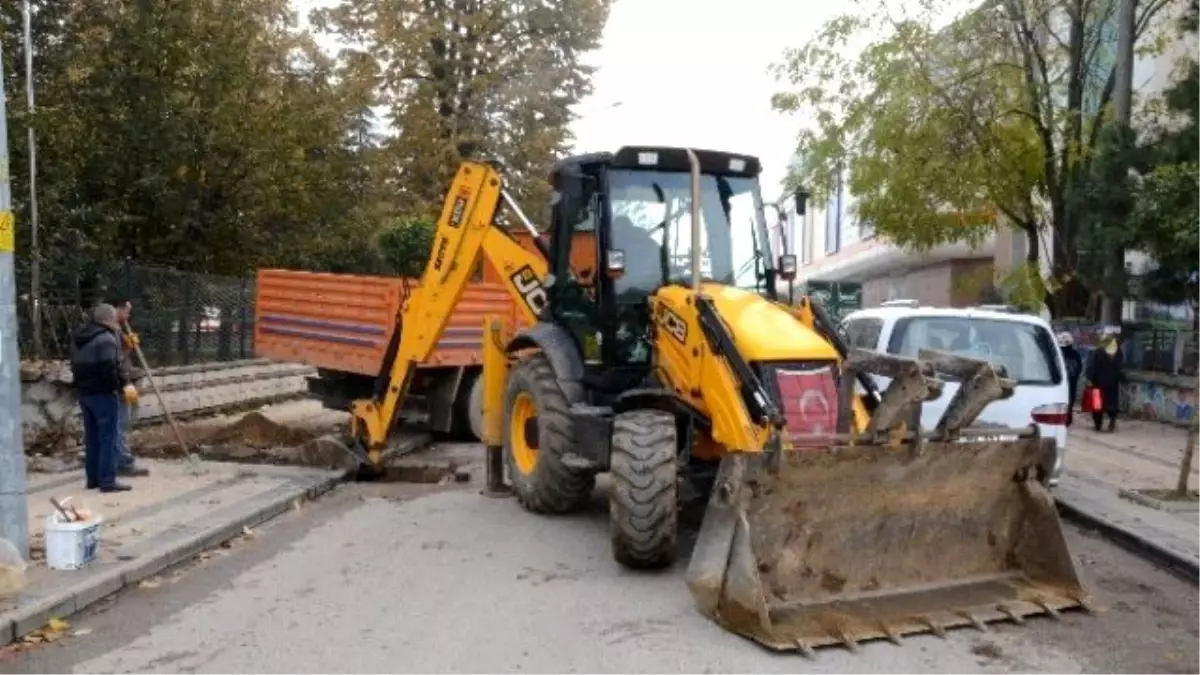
x: 14, y: 509
x: 35, y: 268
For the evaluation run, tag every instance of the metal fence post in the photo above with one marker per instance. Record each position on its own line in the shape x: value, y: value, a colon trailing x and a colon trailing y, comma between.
x: 14, y: 506
x: 242, y: 322
x: 185, y: 316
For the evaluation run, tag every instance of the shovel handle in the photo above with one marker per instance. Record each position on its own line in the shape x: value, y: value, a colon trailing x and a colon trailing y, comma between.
x: 137, y: 348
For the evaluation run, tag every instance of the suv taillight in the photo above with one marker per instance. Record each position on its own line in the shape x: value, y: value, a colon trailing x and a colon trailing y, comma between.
x: 1053, y: 413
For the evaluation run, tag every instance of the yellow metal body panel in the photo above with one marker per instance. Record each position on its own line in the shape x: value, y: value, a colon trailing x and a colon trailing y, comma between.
x: 762, y: 331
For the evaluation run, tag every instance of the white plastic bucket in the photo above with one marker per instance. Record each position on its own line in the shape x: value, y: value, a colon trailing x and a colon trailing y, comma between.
x: 70, y: 546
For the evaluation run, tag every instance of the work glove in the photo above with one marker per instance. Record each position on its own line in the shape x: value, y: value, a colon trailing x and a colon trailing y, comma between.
x: 130, y: 394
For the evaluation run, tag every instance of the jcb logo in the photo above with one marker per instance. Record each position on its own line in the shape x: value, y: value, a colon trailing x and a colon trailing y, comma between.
x: 531, y: 290
x: 673, y: 324
x: 439, y: 257
x: 459, y: 209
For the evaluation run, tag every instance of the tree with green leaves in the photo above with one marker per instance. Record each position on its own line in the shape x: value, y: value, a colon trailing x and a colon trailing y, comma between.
x: 947, y: 130
x: 463, y: 78
x: 1164, y: 221
x: 207, y: 134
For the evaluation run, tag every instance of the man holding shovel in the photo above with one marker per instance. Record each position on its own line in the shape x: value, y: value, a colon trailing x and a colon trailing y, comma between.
x: 95, y: 364
x: 125, y: 461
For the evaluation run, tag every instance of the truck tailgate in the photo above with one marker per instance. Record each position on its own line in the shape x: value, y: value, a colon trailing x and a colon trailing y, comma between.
x: 344, y: 322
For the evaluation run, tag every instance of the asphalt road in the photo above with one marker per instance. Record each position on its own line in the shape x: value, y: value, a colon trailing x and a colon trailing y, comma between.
x: 415, y: 578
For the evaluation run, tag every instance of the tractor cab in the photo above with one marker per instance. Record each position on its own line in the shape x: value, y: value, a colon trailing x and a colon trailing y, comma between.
x: 622, y: 228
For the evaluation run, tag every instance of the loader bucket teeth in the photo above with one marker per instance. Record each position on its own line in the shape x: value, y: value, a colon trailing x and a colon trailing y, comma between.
x: 850, y: 543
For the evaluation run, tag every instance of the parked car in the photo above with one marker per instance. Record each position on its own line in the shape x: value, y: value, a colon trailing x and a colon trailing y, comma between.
x: 1022, y: 343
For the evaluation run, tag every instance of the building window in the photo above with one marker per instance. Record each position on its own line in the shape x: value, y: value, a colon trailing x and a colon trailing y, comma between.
x: 833, y: 217
x: 1017, y: 250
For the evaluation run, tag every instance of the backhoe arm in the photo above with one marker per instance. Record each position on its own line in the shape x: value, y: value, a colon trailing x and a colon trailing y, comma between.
x: 465, y: 232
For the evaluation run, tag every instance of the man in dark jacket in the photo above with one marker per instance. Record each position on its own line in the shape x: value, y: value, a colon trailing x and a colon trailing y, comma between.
x: 96, y: 367
x: 1074, y: 364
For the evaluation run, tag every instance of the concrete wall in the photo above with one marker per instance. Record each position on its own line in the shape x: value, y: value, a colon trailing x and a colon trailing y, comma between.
x: 1159, y: 397
x: 50, y: 413
x: 954, y: 283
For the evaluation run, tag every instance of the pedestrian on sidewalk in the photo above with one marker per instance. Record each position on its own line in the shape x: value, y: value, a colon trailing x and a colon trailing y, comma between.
x: 1074, y: 364
x: 126, y: 462
x: 96, y: 367
x: 1105, y: 374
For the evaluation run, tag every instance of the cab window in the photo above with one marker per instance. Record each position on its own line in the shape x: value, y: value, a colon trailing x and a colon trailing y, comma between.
x: 863, y: 333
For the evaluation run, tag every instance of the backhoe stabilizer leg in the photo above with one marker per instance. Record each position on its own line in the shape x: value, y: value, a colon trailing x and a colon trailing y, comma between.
x: 495, y: 372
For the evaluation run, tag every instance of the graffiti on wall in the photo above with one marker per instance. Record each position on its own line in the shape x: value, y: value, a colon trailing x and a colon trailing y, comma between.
x: 1159, y: 402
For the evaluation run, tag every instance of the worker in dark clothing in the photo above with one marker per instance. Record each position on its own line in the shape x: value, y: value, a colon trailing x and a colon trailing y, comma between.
x: 1074, y: 365
x: 96, y: 367
x: 1104, y: 373
x: 126, y: 462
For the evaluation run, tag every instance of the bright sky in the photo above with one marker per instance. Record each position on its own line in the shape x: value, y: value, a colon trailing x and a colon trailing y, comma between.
x: 692, y: 72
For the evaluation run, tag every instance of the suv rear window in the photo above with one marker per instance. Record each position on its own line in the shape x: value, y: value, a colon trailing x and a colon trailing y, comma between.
x: 1026, y: 350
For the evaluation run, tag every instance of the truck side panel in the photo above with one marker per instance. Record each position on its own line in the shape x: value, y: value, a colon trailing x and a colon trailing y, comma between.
x: 344, y: 322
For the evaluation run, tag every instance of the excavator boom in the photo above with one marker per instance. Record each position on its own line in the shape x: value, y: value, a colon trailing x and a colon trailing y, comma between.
x: 465, y: 233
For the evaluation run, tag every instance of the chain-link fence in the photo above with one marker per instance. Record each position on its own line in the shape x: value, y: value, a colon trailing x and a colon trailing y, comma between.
x: 182, y: 317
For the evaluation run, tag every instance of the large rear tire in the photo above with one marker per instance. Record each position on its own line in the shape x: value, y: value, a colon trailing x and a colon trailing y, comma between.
x: 643, y: 501
x: 538, y: 432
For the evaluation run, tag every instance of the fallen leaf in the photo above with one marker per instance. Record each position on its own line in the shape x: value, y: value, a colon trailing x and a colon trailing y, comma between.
x: 79, y: 632
x: 150, y: 583
x: 57, y: 624
x: 247, y: 532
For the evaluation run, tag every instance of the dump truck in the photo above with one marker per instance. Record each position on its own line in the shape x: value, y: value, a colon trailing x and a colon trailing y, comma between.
x: 831, y: 517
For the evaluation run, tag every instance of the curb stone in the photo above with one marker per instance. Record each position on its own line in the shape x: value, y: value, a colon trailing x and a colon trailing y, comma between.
x: 1140, y: 545
x: 73, y: 598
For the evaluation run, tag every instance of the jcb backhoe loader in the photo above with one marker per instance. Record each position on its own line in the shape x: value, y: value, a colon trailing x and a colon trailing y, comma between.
x: 831, y: 518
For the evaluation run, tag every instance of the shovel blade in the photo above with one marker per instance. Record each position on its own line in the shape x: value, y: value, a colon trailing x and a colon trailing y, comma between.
x: 840, y: 545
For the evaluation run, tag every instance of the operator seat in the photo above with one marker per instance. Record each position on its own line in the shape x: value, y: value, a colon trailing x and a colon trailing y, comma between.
x: 643, y: 269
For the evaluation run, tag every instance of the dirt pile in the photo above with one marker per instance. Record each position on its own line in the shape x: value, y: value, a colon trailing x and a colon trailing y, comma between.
x: 256, y: 430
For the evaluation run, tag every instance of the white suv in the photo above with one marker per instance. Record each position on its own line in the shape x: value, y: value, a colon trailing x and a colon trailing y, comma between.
x: 1022, y: 343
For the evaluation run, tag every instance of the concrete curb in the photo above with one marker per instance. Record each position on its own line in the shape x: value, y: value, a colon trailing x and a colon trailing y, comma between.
x: 73, y: 598
x: 1137, y: 544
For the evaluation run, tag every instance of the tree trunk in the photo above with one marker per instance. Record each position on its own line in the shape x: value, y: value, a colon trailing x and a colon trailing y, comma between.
x: 1185, y: 467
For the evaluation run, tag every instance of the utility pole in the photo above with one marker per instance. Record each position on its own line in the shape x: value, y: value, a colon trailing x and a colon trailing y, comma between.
x: 35, y: 267
x: 14, y: 509
x: 1110, y: 311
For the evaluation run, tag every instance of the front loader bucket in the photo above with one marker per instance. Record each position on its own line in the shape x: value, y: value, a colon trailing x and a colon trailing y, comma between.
x: 850, y: 543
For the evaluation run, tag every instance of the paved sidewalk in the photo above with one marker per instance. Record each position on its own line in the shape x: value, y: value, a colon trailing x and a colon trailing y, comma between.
x: 168, y: 517
x: 1140, y: 455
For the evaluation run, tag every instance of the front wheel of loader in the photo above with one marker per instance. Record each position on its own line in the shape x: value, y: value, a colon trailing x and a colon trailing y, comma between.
x: 643, y: 499
x: 538, y: 432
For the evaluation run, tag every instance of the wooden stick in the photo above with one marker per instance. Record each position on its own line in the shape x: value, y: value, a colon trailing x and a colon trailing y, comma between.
x: 137, y: 348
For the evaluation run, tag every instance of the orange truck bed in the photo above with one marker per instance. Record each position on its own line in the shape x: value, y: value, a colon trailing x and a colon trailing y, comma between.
x: 344, y: 322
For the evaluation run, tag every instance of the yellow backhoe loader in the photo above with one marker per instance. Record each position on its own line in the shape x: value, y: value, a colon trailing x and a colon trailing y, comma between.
x: 656, y: 350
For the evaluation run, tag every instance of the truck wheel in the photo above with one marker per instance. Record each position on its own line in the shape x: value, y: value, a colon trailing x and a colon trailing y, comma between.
x: 468, y: 409
x: 538, y: 432
x: 643, y: 499
x: 475, y: 408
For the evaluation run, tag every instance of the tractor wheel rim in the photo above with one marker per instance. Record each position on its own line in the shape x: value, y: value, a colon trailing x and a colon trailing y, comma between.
x: 524, y: 411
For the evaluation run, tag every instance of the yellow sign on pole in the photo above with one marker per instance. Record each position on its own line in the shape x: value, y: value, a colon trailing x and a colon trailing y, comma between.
x: 7, y: 232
